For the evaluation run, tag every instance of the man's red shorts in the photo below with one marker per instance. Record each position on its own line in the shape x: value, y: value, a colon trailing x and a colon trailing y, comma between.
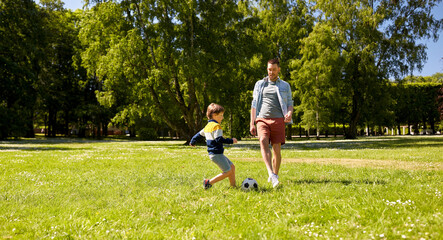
x: 273, y: 128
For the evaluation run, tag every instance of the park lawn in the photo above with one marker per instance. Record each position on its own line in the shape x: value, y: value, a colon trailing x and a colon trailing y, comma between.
x: 381, y: 188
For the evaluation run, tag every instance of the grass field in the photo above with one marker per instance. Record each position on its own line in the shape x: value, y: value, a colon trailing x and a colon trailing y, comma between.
x: 371, y: 188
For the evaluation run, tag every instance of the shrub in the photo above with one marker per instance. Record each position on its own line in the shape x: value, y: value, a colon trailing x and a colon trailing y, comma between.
x: 147, y: 134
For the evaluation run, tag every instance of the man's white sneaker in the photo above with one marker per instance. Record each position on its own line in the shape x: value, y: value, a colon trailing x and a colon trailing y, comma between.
x: 270, y: 177
x: 274, y: 179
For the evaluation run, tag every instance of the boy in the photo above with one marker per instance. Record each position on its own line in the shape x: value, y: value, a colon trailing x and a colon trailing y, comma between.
x: 214, y: 140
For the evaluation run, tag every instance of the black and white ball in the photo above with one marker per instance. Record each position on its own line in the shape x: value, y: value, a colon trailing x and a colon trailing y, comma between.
x: 249, y: 184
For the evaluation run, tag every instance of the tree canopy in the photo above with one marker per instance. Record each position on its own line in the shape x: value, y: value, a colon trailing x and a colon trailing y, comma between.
x: 150, y: 65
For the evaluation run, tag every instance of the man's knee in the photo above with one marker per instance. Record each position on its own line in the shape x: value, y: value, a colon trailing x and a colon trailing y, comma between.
x: 276, y: 147
x: 264, y: 140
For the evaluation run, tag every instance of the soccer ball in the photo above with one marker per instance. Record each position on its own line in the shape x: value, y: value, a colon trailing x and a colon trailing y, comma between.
x: 249, y: 184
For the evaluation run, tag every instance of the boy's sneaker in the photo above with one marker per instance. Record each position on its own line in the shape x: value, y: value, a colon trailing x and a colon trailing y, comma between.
x: 274, y: 180
x: 206, y: 184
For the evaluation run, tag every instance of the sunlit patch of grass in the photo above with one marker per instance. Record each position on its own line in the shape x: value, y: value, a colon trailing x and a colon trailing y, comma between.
x: 83, y: 189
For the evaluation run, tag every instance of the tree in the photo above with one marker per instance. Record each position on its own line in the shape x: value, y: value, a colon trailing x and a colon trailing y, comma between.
x: 21, y: 42
x: 377, y: 40
x: 440, y: 102
x: 165, y: 60
x: 58, y: 86
x: 417, y: 104
x: 282, y: 25
x: 315, y: 77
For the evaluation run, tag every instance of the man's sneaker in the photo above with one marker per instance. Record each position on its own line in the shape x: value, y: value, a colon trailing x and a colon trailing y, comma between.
x: 270, y: 177
x: 206, y: 184
x: 274, y: 180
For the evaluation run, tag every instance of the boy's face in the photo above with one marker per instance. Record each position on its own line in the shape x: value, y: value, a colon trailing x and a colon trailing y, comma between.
x: 218, y: 117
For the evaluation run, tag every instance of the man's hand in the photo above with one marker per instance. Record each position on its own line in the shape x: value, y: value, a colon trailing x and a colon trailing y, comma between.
x: 288, y: 117
x: 234, y: 140
x: 253, y: 130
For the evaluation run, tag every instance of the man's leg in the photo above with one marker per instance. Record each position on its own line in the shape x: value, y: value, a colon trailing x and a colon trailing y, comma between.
x: 276, y: 160
x: 275, y: 164
x: 266, y: 153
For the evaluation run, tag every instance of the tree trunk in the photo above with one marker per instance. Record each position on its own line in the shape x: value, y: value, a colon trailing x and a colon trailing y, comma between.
x: 52, y: 121
x: 317, y: 123
x: 289, y: 132
x: 335, y: 129
x: 300, y: 130
x: 355, y: 115
x: 432, y: 126
x: 424, y: 127
x: 105, y: 129
x: 30, y: 127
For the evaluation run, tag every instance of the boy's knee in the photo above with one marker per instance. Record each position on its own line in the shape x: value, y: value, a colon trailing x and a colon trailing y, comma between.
x: 232, y: 170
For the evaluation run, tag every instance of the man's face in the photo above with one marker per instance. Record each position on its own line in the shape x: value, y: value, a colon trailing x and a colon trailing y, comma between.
x: 273, y: 70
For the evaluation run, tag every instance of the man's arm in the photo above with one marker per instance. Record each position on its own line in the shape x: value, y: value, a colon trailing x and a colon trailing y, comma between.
x: 252, y: 128
x: 288, y: 115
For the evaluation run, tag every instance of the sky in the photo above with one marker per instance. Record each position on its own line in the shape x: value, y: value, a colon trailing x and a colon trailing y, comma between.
x: 433, y: 65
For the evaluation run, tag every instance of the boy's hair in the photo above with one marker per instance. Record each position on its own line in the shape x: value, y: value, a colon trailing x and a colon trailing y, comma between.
x: 214, y: 108
x: 274, y: 61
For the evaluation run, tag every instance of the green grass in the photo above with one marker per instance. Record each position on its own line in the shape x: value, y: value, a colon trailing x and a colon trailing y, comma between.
x: 116, y: 189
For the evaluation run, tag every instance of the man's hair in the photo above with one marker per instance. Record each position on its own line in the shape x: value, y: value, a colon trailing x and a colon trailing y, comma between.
x: 274, y: 61
x: 214, y: 108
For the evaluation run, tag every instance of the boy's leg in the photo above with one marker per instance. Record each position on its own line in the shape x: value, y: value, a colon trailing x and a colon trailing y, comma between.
x: 232, y: 176
x: 221, y: 176
x: 226, y: 166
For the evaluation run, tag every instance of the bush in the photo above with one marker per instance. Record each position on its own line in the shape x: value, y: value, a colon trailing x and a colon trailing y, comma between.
x: 147, y: 134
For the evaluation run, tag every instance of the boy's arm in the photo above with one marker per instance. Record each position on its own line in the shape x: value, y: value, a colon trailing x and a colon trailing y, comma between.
x: 224, y: 140
x: 197, y: 137
x: 220, y: 139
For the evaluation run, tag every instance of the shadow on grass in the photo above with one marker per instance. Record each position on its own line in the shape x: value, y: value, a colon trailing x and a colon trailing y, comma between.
x: 44, y: 144
x: 387, y: 142
x: 370, y: 143
x: 322, y: 181
x: 38, y: 148
x: 344, y: 182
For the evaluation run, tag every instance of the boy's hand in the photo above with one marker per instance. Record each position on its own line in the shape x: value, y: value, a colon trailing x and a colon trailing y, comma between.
x: 235, y: 140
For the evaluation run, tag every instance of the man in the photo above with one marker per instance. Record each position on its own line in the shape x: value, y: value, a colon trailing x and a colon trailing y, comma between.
x: 271, y: 109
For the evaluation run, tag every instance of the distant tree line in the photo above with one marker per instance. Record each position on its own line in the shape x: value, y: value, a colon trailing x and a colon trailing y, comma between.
x: 152, y: 67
